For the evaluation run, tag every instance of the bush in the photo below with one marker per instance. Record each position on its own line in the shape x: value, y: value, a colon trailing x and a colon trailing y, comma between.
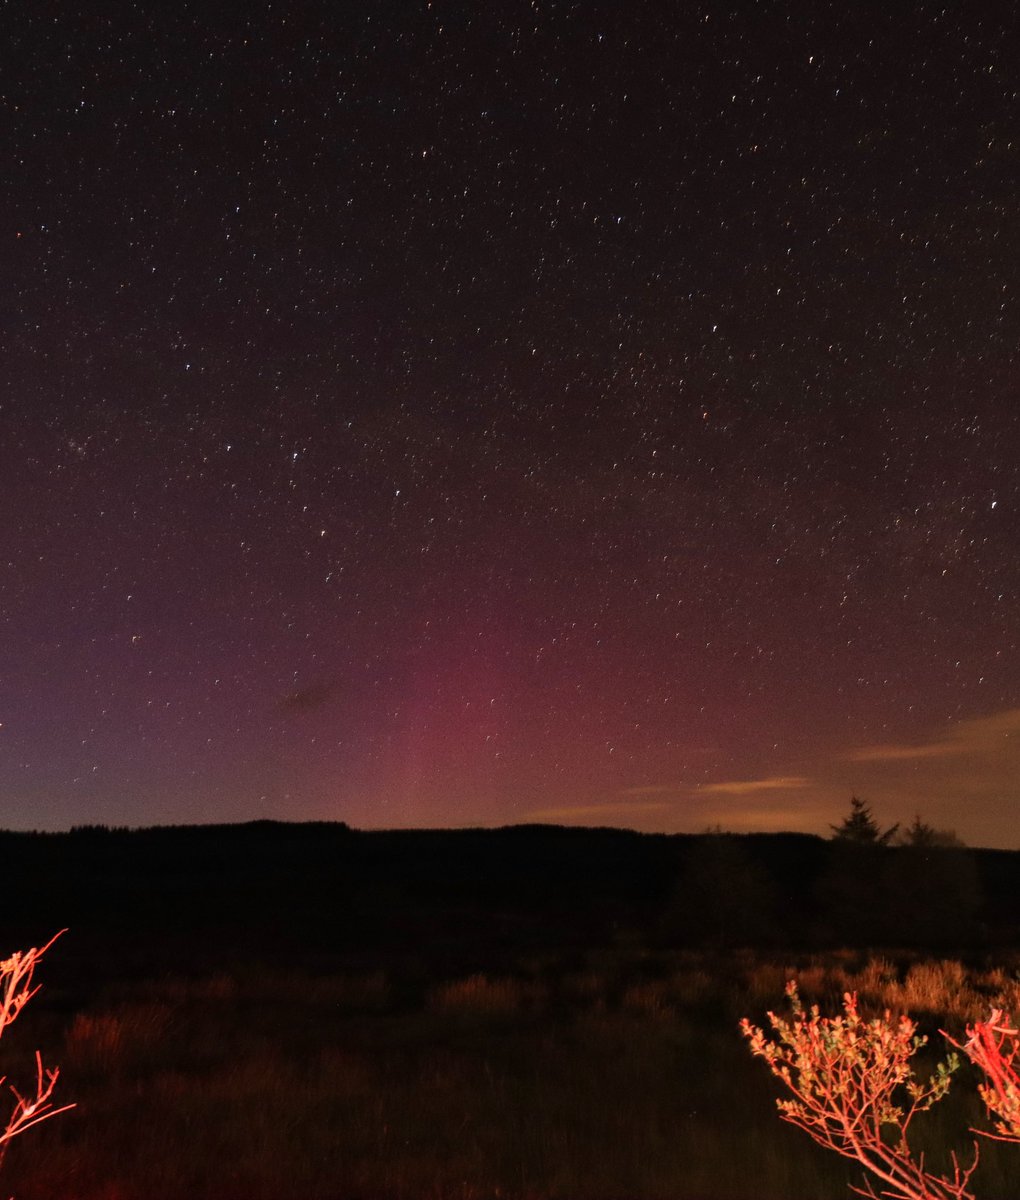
x: 15, y: 992
x: 854, y: 1091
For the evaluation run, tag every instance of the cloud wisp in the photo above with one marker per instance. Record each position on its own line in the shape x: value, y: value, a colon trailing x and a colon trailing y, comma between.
x: 656, y: 789
x: 577, y: 812
x: 977, y: 735
x: 748, y: 787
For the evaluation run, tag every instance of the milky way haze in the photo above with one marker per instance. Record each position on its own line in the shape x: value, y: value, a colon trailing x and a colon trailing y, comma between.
x: 444, y: 414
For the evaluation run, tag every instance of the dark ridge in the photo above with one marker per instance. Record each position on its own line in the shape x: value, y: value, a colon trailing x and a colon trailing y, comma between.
x: 197, y: 898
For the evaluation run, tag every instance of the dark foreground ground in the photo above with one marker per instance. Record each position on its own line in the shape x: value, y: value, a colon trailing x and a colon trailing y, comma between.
x: 305, y: 1012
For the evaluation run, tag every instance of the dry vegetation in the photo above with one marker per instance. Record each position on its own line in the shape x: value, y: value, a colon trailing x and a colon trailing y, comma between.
x: 587, y: 1077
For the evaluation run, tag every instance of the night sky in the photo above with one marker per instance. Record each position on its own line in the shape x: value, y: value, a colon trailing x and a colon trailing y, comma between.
x: 441, y: 414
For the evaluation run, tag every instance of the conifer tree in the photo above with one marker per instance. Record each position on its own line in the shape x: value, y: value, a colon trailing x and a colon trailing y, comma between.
x: 861, y: 828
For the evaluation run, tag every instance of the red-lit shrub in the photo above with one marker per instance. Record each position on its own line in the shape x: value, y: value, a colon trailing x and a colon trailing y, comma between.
x: 992, y: 1046
x: 15, y: 992
x: 853, y: 1091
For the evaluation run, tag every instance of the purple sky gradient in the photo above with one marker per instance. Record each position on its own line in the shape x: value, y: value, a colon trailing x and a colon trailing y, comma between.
x: 443, y: 414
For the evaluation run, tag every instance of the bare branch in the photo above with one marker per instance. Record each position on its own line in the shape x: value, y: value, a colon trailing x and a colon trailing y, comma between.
x: 15, y: 992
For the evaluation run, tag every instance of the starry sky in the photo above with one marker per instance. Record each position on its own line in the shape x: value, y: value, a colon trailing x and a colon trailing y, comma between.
x: 442, y: 414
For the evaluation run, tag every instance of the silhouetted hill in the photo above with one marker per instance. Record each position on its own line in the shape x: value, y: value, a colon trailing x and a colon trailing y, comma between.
x: 197, y: 897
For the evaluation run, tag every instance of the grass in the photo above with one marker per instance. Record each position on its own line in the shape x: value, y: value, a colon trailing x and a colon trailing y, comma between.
x: 608, y: 1075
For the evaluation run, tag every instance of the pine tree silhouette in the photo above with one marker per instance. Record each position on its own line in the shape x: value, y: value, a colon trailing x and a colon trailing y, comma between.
x: 861, y: 827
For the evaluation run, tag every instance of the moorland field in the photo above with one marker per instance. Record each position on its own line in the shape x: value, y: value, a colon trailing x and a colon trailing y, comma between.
x: 309, y: 1012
